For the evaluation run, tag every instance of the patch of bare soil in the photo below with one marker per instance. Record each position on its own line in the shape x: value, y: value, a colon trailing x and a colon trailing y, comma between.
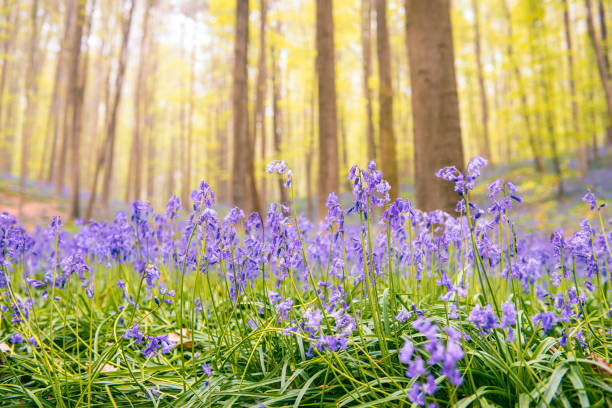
x: 33, y: 212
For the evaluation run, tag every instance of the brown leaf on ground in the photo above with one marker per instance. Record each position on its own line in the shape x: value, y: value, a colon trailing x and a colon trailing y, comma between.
x: 608, y: 367
x: 5, y: 348
x: 108, y: 368
x: 175, y: 337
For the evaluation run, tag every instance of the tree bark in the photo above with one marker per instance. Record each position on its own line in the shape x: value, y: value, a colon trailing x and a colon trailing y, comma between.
x: 582, y: 158
x: 259, y: 124
x: 537, y: 157
x: 604, y: 48
x: 136, y: 170
x: 435, y: 104
x: 484, y: 105
x: 328, y: 139
x: 366, y: 46
x: 385, y: 100
x: 77, y: 83
x: 31, y: 89
x: 244, y: 193
x: 277, y: 128
x: 106, y: 153
x: 6, y: 156
x: 601, y: 64
x: 186, y: 187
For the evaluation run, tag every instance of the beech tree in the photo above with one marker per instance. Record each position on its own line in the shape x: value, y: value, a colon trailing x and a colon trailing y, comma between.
x: 435, y: 105
x: 243, y: 190
x: 326, y: 78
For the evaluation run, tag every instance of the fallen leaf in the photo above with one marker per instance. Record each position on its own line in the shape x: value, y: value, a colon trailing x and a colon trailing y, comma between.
x: 108, y: 368
x: 607, y: 370
x: 176, y: 338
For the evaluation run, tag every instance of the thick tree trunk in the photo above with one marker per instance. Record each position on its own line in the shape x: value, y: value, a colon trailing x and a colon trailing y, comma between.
x: 484, y: 105
x: 326, y: 73
x: 366, y: 46
x: 244, y: 193
x: 105, y: 156
x: 385, y: 100
x: 435, y: 104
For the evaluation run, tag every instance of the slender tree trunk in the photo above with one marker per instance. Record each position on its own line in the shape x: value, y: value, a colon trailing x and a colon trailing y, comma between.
x: 77, y: 83
x: 603, y: 29
x: 531, y: 138
x: 150, y: 119
x: 343, y: 140
x: 385, y: 100
x: 582, y: 159
x: 277, y: 117
x: 326, y: 75
x: 244, y: 193
x: 52, y: 127
x: 7, y: 34
x: 259, y: 127
x: 190, y: 108
x: 484, y: 105
x: 604, y: 48
x: 137, y: 142
x: 366, y: 46
x: 435, y: 104
x: 310, y: 155
x: 6, y: 156
x: 106, y: 153
x: 601, y: 64
x: 31, y: 90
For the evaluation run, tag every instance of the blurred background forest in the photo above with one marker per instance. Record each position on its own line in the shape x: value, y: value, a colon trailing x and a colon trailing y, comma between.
x: 107, y: 101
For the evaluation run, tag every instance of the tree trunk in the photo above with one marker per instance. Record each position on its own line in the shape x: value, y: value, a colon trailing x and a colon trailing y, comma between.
x: 259, y: 123
x: 328, y: 139
x: 385, y: 100
x: 31, y: 89
x: 435, y: 105
x: 135, y: 181
x: 244, y: 193
x: 186, y: 187
x: 484, y: 105
x: 310, y: 156
x: 537, y: 157
x: 7, y: 36
x: 77, y: 83
x: 277, y: 131
x: 366, y: 46
x: 6, y: 156
x: 106, y: 153
x: 582, y: 159
x: 601, y: 64
x: 150, y: 118
x: 604, y: 48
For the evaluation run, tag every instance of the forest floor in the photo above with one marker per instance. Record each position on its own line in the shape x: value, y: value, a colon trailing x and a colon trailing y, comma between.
x: 542, y: 209
x: 38, y: 208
